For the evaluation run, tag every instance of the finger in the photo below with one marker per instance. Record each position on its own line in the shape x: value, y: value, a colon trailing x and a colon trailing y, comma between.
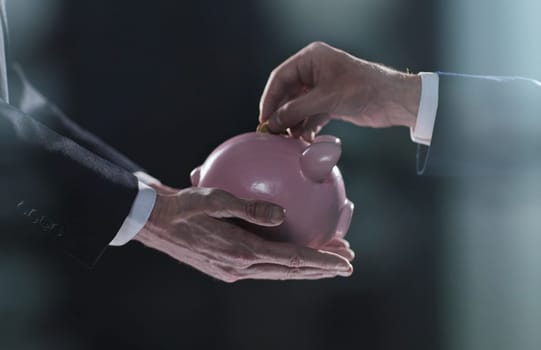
x: 346, y: 253
x: 277, y: 92
x: 313, y: 126
x: 296, y: 111
x: 279, y: 272
x: 338, y: 242
x: 309, y: 128
x: 296, y: 256
x: 341, y: 247
x: 288, y: 79
x: 222, y: 204
x: 296, y: 131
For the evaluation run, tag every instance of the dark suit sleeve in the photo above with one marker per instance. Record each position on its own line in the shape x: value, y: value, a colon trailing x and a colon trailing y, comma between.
x: 52, y: 186
x: 29, y: 100
x: 484, y: 126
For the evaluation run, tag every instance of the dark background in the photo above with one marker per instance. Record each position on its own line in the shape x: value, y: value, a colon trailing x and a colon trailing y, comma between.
x: 167, y: 81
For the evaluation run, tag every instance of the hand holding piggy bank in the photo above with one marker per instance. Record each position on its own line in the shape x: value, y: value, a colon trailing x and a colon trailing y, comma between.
x: 302, y: 178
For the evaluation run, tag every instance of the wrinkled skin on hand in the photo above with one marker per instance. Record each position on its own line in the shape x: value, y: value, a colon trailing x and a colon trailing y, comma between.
x: 189, y: 225
x: 320, y: 83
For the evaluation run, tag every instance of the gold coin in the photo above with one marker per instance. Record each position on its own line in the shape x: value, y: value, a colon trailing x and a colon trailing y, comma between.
x: 263, y: 127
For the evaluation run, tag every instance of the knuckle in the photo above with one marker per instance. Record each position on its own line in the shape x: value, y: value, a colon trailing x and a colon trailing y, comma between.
x: 212, y: 192
x: 291, y: 273
x: 204, y: 191
x: 287, y: 108
x: 216, y: 197
x: 276, y: 76
x: 296, y: 261
x: 274, y: 73
x: 205, y: 195
x: 230, y: 279
x: 316, y: 45
x: 283, y: 113
x: 228, y: 275
x: 251, y: 209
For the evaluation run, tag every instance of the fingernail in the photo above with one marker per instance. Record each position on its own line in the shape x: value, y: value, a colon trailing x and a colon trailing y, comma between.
x: 275, y: 123
x: 345, y: 270
x: 344, y: 267
x: 277, y: 215
x: 345, y: 273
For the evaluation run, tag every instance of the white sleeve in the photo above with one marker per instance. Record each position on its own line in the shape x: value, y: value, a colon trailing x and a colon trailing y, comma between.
x: 145, y: 178
x: 138, y: 215
x: 428, y: 107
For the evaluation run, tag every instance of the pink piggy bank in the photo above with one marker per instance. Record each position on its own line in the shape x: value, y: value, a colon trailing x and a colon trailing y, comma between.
x: 302, y: 178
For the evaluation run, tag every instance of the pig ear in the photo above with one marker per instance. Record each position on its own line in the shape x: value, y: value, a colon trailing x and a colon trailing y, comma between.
x: 318, y: 160
x: 194, y: 176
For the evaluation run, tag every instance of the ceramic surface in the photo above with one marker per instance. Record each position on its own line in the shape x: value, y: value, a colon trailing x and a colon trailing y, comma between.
x: 301, y: 177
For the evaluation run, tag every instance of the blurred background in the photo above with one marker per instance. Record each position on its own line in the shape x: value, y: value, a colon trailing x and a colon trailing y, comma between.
x: 441, y: 263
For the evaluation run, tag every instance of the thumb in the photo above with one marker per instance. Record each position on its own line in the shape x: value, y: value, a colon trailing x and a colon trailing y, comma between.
x: 297, y: 110
x: 226, y: 205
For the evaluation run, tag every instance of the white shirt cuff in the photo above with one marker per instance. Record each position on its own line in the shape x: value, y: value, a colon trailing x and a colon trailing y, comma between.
x: 138, y: 215
x: 428, y: 107
x: 146, y: 179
